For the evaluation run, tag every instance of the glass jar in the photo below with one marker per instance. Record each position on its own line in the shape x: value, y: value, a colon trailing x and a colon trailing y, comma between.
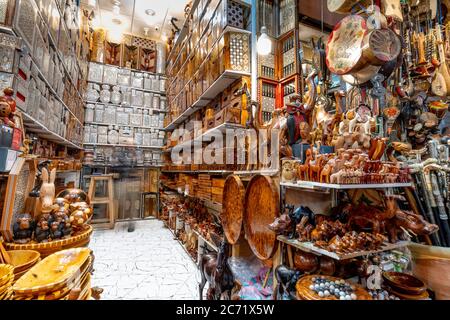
x: 162, y: 85
x: 136, y: 117
x: 99, y: 113
x: 92, y: 92
x: 110, y: 115
x: 140, y: 157
x: 113, y: 135
x: 93, y: 136
x: 105, y: 94
x: 87, y: 134
x: 124, y: 78
x: 137, y: 80
x: 147, y: 82
x: 138, y: 137
x: 155, y: 84
x: 146, y: 119
x: 148, y: 99
x: 122, y: 118
x: 116, y: 96
x: 156, y: 101
x: 146, y: 138
x: 137, y: 98
x: 126, y: 96
x: 163, y: 104
x: 89, y: 115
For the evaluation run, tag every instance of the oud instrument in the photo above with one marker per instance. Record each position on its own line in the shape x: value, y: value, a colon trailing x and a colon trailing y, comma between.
x: 441, y: 82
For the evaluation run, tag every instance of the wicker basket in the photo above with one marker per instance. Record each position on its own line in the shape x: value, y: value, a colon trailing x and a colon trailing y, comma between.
x: 432, y: 265
x: 47, y: 248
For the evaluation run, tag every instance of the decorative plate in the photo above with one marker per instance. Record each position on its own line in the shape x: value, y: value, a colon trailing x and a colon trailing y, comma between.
x: 233, y: 208
x: 262, y: 206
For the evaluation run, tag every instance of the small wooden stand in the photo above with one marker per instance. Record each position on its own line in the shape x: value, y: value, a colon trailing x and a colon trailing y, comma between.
x: 109, y: 200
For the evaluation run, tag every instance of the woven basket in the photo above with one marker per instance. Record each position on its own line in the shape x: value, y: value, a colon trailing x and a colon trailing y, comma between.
x: 48, y: 248
x: 432, y: 266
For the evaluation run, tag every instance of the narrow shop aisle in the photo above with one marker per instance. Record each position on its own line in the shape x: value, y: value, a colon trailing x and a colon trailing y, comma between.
x: 144, y: 264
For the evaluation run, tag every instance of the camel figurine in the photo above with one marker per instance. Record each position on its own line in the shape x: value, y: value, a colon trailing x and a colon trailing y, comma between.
x: 315, y: 167
x: 303, y: 169
x: 327, y: 170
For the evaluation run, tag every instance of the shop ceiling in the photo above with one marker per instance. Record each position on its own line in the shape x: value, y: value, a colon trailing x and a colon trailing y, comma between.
x: 146, y: 18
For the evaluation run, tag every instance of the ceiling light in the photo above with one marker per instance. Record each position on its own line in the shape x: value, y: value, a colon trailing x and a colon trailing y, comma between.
x: 150, y: 12
x: 264, y: 44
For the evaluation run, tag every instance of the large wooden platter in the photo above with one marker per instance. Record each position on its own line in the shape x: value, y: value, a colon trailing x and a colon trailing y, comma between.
x: 233, y: 208
x: 53, y: 272
x: 262, y: 206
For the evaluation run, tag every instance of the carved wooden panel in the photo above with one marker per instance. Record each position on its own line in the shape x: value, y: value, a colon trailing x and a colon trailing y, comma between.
x: 233, y: 208
x: 262, y: 206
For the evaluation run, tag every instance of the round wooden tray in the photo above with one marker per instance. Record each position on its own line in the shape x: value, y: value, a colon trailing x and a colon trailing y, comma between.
x: 48, y: 248
x: 262, y: 206
x: 304, y: 293
x: 233, y: 208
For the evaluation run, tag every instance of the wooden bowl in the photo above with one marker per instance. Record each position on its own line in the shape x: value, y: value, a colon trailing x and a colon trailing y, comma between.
x: 48, y: 248
x: 6, y: 273
x: 52, y: 273
x: 404, y: 283
x: 23, y: 260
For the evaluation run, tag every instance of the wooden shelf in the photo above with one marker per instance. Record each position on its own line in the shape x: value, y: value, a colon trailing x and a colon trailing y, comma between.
x: 32, y: 125
x: 162, y: 93
x: 314, y: 185
x: 310, y: 247
x: 209, y: 243
x: 223, y: 82
x: 120, y: 125
x: 120, y: 145
x: 122, y: 106
x: 225, y: 172
x: 204, y: 137
x: 161, y: 75
x: 52, y: 90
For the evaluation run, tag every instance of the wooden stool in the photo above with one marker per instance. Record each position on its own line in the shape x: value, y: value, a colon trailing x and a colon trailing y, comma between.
x: 109, y: 200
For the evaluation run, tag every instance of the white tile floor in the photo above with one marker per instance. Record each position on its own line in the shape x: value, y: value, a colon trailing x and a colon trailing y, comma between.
x: 145, y: 264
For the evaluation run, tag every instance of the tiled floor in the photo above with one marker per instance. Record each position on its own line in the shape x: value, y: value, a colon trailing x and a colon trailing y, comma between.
x: 145, y: 264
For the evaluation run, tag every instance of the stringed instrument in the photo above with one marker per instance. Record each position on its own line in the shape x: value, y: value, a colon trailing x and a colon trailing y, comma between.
x: 441, y: 82
x: 420, y: 39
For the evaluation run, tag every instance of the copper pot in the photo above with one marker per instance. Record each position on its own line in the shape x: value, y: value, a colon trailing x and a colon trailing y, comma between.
x: 306, y: 262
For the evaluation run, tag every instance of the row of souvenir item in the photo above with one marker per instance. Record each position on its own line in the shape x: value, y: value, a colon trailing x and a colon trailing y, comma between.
x: 112, y: 115
x: 114, y: 135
